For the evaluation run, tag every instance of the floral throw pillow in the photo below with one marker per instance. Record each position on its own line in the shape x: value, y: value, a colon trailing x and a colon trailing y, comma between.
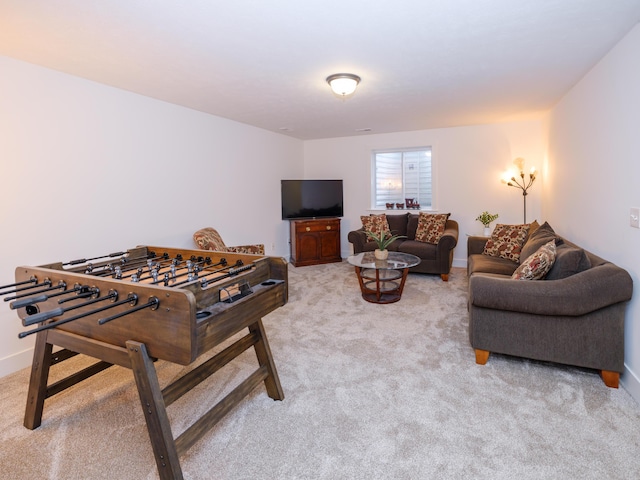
x: 538, y: 264
x: 376, y: 224
x: 431, y: 227
x: 506, y: 241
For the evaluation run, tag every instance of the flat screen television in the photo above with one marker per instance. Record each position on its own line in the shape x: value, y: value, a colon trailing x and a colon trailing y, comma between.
x: 311, y: 199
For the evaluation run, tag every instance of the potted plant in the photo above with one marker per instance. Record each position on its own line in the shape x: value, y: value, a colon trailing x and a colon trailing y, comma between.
x: 382, y: 241
x: 486, y: 218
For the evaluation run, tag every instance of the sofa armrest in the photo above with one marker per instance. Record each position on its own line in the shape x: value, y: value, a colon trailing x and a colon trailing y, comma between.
x: 358, y: 238
x: 476, y: 244
x: 579, y: 294
x: 449, y: 238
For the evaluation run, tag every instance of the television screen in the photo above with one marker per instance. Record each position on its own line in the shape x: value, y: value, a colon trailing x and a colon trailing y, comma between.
x: 311, y: 199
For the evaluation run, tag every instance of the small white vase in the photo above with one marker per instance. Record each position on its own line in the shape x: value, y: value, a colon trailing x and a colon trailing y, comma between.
x: 381, y: 254
x: 487, y: 231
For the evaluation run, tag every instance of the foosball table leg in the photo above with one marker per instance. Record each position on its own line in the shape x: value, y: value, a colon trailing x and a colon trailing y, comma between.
x: 263, y: 352
x: 38, y: 381
x: 155, y: 412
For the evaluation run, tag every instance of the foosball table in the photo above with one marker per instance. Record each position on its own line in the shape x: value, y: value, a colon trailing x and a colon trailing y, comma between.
x: 145, y: 304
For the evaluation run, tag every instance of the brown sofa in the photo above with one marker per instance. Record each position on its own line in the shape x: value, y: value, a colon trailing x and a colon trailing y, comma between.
x: 574, y: 315
x: 435, y: 259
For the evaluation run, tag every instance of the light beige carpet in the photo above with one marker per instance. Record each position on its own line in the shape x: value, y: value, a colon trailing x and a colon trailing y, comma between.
x: 372, y: 392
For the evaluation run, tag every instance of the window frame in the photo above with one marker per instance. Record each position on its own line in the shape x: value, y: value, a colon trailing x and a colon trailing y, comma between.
x: 373, y: 189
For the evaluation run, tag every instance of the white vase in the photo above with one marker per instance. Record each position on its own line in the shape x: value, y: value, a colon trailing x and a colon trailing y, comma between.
x: 381, y: 254
x: 487, y: 231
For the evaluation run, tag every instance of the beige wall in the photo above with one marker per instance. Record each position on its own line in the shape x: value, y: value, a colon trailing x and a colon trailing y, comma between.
x: 469, y: 165
x: 87, y: 169
x: 594, y: 173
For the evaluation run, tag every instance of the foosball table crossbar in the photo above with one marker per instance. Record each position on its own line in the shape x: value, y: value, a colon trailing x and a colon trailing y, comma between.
x: 59, y: 386
x: 209, y: 419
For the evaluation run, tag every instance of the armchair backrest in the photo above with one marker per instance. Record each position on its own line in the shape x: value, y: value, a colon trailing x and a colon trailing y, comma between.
x: 209, y: 239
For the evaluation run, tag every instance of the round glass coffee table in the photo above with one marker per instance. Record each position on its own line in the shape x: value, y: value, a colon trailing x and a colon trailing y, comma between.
x: 382, y: 281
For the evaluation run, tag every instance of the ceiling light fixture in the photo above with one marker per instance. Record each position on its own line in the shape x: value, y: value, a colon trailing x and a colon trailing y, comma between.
x: 343, y: 84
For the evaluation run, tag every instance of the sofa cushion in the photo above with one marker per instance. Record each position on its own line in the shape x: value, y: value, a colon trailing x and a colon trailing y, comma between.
x: 538, y: 264
x: 398, y: 224
x: 419, y: 249
x: 431, y: 227
x: 376, y: 224
x: 537, y: 238
x: 569, y: 261
x: 478, y: 263
x: 506, y: 241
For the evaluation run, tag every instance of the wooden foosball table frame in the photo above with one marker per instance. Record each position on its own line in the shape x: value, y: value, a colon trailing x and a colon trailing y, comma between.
x: 179, y: 327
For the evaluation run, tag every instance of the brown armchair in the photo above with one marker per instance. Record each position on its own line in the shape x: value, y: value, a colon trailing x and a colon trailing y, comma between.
x: 209, y: 239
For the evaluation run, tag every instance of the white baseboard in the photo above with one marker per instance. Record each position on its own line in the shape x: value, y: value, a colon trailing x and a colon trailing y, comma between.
x: 631, y: 383
x: 16, y: 362
x: 461, y: 263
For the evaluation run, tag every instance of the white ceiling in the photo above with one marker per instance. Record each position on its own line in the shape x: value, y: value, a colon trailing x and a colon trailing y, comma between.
x: 424, y: 63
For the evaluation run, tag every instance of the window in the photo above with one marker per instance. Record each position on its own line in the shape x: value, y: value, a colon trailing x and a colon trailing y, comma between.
x: 400, y: 175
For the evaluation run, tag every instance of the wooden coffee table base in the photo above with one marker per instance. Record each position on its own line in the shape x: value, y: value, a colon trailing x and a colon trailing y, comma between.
x: 381, y: 286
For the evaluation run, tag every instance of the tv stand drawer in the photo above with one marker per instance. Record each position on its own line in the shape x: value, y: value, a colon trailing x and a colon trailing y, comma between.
x: 324, y: 225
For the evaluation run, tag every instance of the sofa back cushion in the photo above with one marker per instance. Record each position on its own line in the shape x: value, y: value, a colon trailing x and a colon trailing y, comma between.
x: 209, y: 239
x: 506, y: 241
x: 541, y: 236
x: 398, y: 224
x: 412, y: 226
x: 569, y: 261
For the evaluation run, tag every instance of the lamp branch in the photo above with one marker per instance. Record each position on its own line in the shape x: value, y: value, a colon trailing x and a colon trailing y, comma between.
x: 524, y: 186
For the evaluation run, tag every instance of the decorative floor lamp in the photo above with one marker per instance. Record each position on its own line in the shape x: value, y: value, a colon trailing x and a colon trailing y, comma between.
x: 521, y: 183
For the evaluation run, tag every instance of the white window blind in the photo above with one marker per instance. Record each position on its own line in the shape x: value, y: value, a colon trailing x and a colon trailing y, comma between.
x: 401, y: 175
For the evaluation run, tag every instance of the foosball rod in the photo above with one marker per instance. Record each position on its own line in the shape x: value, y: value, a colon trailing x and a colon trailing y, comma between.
x: 232, y: 271
x: 43, y: 298
x: 11, y: 285
x: 174, y: 262
x: 107, y: 269
x: 208, y: 274
x: 137, y: 263
x: 132, y: 299
x: 193, y: 270
x: 153, y: 303
x: 42, y: 316
x: 46, y: 281
x: 85, y: 260
x: 179, y: 267
x: 22, y: 289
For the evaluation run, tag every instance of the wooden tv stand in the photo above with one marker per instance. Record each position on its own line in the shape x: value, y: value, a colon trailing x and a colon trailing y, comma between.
x: 315, y: 241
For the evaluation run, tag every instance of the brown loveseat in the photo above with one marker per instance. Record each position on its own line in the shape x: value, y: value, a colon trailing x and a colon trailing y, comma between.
x: 435, y: 258
x: 574, y: 315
